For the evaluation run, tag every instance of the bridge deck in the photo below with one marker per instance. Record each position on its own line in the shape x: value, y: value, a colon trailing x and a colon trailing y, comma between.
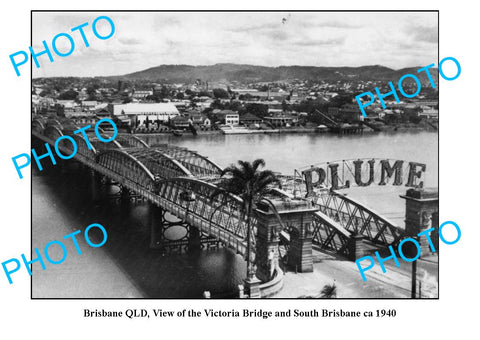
x: 337, y: 226
x: 164, y: 174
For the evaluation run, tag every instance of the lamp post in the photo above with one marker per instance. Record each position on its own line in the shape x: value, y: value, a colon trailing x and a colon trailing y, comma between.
x: 414, y: 279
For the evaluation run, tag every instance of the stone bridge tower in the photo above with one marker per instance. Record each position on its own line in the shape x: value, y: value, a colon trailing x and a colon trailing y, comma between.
x: 295, y: 215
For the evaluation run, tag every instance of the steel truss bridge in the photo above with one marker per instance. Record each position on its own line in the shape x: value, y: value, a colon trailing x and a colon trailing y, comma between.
x: 183, y: 183
x: 164, y: 175
x: 340, y: 217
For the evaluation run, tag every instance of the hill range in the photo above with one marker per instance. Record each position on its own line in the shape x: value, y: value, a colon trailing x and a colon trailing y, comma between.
x: 250, y: 73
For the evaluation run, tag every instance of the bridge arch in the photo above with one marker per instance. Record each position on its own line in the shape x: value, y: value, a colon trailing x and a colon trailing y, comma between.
x: 52, y: 132
x: 161, y: 165
x: 54, y: 122
x: 130, y: 141
x: 83, y: 149
x: 125, y: 165
x: 38, y: 126
x: 102, y: 146
x: 197, y: 164
x: 69, y: 126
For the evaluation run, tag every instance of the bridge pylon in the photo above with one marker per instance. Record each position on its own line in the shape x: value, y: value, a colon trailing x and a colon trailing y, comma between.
x: 422, y: 214
x: 296, y: 215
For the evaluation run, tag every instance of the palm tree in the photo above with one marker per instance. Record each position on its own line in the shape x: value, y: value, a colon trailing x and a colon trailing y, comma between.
x: 251, y: 184
x: 329, y: 291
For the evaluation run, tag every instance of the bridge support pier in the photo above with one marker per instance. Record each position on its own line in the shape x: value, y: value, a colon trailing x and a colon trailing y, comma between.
x: 124, y: 194
x: 194, y: 238
x: 155, y: 221
x: 106, y: 180
x: 94, y: 185
x: 124, y: 202
x: 422, y: 214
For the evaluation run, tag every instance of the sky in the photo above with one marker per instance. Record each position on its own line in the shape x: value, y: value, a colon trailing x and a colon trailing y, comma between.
x: 148, y: 39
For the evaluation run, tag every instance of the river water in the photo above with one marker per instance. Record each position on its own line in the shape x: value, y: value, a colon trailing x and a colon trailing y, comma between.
x: 126, y: 267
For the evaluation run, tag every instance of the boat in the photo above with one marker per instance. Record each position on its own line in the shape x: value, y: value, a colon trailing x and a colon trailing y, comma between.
x: 177, y: 133
x: 232, y: 130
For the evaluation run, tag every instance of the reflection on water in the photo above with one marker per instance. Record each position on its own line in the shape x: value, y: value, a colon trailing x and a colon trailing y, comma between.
x: 286, y: 152
x: 153, y: 273
x: 62, y: 203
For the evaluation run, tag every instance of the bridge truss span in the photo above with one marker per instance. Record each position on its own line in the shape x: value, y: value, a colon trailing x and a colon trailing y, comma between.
x: 198, y: 165
x: 126, y: 166
x: 129, y: 141
x: 171, y: 178
x: 183, y: 183
x: 38, y: 125
x: 329, y: 234
x: 216, y: 213
x: 355, y: 218
x: 53, y: 132
x: 82, y: 147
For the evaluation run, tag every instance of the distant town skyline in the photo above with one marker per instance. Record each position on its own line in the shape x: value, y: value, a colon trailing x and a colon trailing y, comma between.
x: 148, y: 39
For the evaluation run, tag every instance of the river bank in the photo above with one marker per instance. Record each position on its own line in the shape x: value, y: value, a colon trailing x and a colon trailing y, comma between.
x: 297, y: 130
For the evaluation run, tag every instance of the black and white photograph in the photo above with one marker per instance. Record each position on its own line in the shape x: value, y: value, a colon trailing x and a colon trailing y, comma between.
x: 234, y: 154
x: 239, y: 170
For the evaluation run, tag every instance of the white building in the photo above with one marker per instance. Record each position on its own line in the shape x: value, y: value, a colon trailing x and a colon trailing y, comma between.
x: 140, y: 111
x: 141, y: 94
x: 232, y: 119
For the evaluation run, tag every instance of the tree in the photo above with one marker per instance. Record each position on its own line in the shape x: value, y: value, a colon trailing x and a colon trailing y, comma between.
x: 251, y: 184
x: 154, y: 98
x: 204, y: 94
x: 263, y: 88
x: 286, y: 106
x: 328, y: 291
x: 220, y: 93
x: 259, y: 110
x: 90, y: 90
x: 46, y: 92
x: 68, y: 95
x: 217, y: 104
x: 164, y: 92
x: 234, y: 106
